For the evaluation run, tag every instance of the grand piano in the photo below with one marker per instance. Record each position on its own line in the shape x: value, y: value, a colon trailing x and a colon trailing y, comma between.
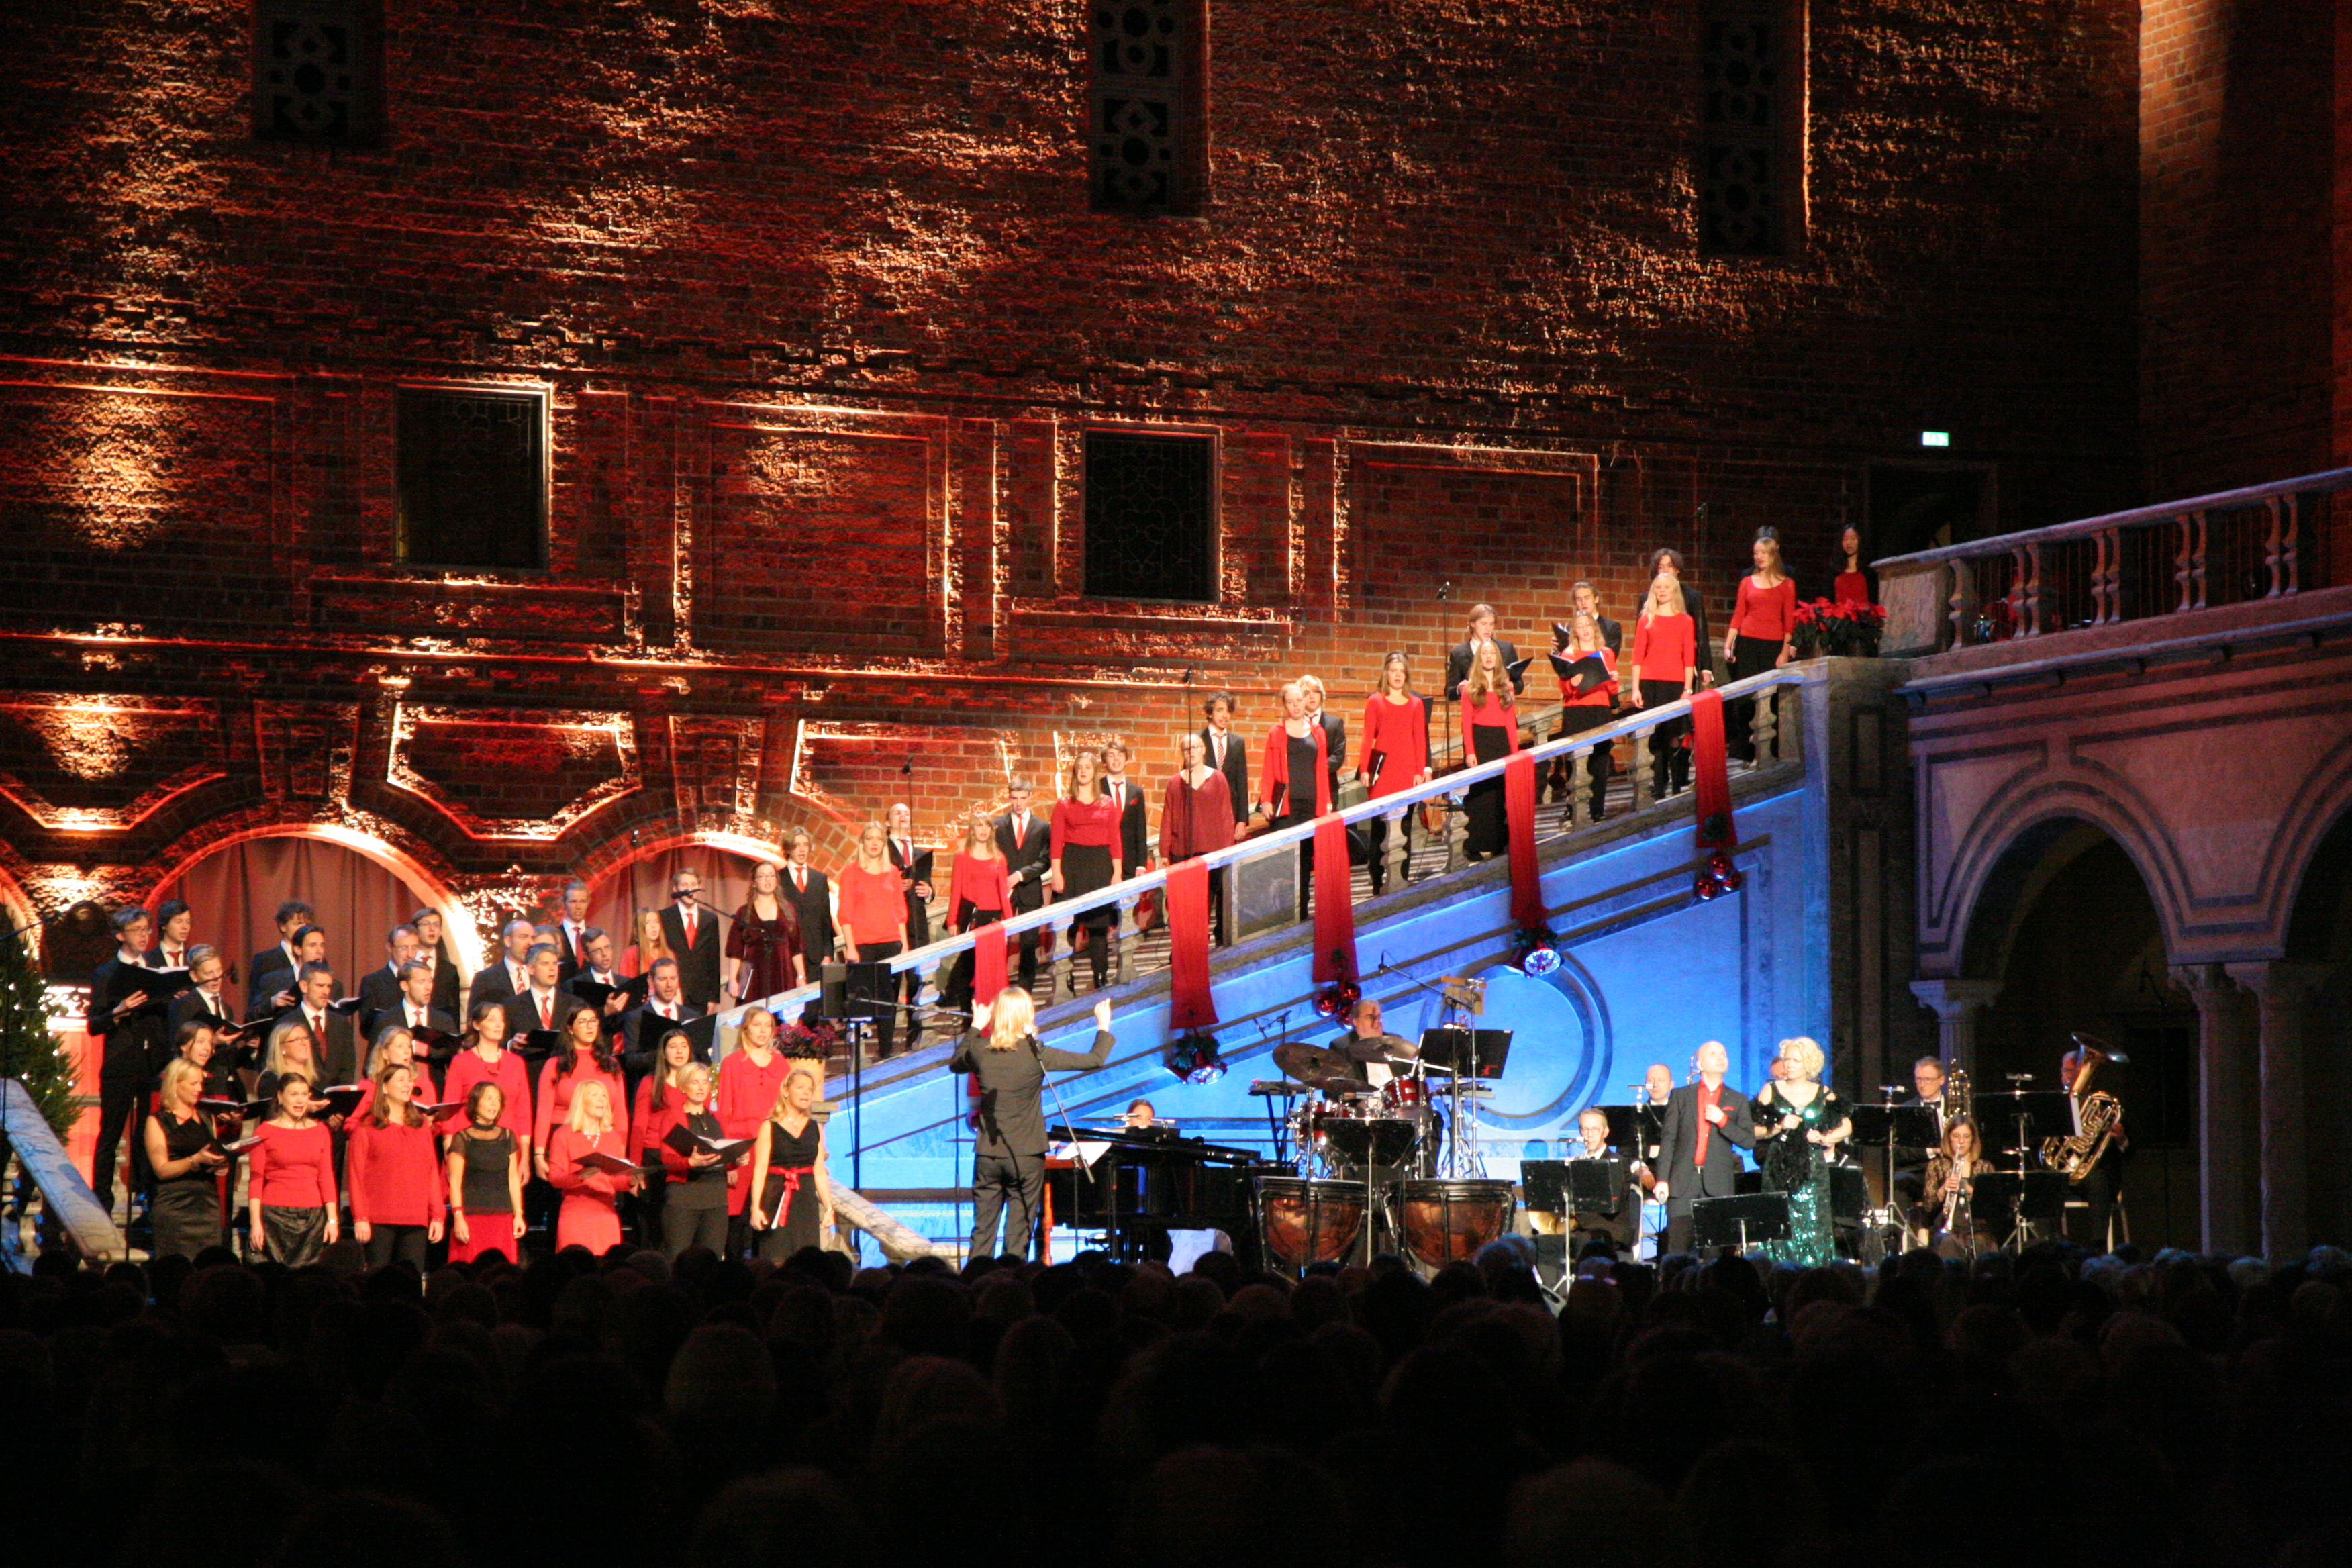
x: 1147, y: 1182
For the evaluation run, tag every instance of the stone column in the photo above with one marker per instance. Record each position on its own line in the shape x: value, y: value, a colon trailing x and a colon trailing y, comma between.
x: 1957, y: 1003
x: 2230, y: 1204
x: 2282, y: 995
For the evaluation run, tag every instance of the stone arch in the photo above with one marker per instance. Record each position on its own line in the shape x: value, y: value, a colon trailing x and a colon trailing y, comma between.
x: 2311, y: 852
x: 615, y: 888
x: 2002, y: 865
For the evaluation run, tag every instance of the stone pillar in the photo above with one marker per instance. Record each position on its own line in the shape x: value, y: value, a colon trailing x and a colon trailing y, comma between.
x: 2230, y: 1205
x: 2282, y: 995
x: 1957, y: 1003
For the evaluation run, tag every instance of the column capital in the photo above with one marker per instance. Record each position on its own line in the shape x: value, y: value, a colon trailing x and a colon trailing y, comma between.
x: 2277, y: 982
x: 2209, y: 985
x: 1955, y: 999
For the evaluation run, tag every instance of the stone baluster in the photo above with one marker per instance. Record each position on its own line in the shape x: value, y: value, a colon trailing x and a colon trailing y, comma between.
x: 1581, y: 771
x: 1457, y: 839
x: 1642, y: 766
x: 1763, y: 722
x: 1962, y: 602
x: 1397, y: 837
x: 2106, y: 577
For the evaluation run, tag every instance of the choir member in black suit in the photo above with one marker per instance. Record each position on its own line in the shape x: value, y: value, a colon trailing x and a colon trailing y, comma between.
x: 572, y: 930
x: 1584, y: 599
x: 207, y: 994
x: 1227, y: 751
x: 173, y: 921
x: 1335, y: 730
x: 903, y: 850
x: 334, y: 1043
x: 1026, y: 841
x: 507, y: 974
x: 692, y: 929
x: 1707, y: 1123
x: 433, y: 947
x: 379, y: 992
x: 810, y: 892
x: 413, y: 1009
x: 665, y: 1004
x: 543, y: 1004
x: 269, y: 978
x: 1481, y: 630
x: 133, y: 1042
x: 1127, y: 798
x: 1670, y: 563
x: 599, y: 969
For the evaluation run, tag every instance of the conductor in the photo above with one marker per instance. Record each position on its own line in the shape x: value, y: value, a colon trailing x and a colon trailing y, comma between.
x: 1008, y: 1160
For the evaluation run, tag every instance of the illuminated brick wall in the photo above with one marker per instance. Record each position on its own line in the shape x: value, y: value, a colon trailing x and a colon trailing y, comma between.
x: 823, y: 314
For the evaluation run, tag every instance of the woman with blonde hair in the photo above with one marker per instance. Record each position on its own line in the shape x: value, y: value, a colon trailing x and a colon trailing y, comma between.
x: 693, y: 1180
x: 1335, y: 729
x: 1490, y: 730
x: 1800, y: 1122
x: 184, y: 1152
x: 1294, y: 781
x: 1948, y: 1217
x: 1665, y: 666
x: 394, y: 1044
x: 1008, y: 1156
x: 792, y: 1194
x: 873, y: 914
x: 1763, y: 615
x: 393, y: 1171
x: 575, y: 1167
x: 978, y: 893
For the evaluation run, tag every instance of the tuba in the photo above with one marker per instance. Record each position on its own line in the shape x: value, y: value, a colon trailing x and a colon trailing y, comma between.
x: 2099, y: 1113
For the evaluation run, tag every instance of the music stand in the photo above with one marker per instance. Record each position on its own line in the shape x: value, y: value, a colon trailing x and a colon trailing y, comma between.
x: 1475, y: 1054
x: 2012, y: 1125
x: 1543, y: 1185
x: 1736, y: 1222
x: 1593, y: 1184
x: 2026, y: 1197
x: 1890, y: 1127
x: 847, y: 993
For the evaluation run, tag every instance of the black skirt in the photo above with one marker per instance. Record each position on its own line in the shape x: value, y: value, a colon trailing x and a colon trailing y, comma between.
x: 187, y: 1216
x: 295, y: 1236
x: 1489, y: 833
x: 1086, y: 869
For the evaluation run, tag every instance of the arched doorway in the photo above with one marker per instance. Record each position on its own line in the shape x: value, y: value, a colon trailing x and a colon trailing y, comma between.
x: 2319, y: 939
x: 2068, y: 928
x: 359, y: 886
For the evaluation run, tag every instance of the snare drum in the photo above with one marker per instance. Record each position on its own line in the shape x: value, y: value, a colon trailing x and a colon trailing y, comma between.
x: 1303, y: 1222
x: 1403, y: 1096
x: 1448, y: 1221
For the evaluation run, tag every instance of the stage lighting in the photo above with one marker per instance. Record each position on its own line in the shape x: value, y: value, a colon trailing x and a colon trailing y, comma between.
x: 1537, y: 955
x: 1193, y: 1059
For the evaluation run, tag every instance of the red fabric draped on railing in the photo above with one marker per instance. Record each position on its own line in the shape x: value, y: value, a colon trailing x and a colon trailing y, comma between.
x: 1519, y: 811
x: 1335, y: 913
x: 1710, y: 774
x: 987, y: 963
x: 1191, y: 1006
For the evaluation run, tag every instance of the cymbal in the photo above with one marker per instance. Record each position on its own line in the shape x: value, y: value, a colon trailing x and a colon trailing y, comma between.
x: 1315, y: 1065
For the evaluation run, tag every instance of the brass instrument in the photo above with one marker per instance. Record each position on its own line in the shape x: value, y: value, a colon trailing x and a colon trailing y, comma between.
x: 2101, y: 1114
x: 1956, y: 1100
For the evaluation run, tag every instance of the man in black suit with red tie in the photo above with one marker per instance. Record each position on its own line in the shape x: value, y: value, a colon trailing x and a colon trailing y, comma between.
x: 1026, y: 842
x: 543, y: 1004
x: 1707, y: 1125
x: 128, y: 1027
x: 811, y: 895
x: 1134, y: 840
x: 334, y: 1043
x: 269, y: 978
x: 903, y: 850
x: 380, y: 993
x: 692, y: 929
x: 508, y: 972
x: 642, y: 1025
x: 574, y: 928
x: 1227, y: 751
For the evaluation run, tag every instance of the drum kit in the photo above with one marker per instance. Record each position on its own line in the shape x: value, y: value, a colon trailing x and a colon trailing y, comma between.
x: 1370, y: 1162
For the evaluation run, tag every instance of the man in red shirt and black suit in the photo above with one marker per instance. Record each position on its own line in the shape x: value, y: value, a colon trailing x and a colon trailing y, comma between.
x: 1698, y: 1154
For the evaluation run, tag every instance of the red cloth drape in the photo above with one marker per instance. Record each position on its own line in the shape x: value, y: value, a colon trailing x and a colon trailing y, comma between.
x: 988, y: 962
x: 1710, y: 775
x: 1335, y: 910
x: 1191, y: 1006
x: 1519, y: 810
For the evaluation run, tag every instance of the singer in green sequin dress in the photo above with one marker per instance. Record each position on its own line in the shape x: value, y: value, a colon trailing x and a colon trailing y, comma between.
x: 1794, y: 1163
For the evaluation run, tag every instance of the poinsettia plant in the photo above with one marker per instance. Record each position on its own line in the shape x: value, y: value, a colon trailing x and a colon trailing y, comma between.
x: 1839, y: 628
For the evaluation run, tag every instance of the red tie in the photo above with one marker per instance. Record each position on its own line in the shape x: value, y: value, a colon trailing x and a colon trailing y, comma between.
x: 800, y: 878
x: 547, y: 1012
x: 690, y: 925
x: 1706, y: 1101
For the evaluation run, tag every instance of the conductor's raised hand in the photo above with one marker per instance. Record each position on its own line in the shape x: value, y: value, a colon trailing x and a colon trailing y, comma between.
x: 1102, y: 1012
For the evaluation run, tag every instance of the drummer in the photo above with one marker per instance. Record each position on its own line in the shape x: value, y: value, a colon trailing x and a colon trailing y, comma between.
x: 1368, y: 1043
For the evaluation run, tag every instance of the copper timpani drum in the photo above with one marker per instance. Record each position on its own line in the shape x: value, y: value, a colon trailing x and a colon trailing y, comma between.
x: 1305, y: 1222
x: 1448, y: 1221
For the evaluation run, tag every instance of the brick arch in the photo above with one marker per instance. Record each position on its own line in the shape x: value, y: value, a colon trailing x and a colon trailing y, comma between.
x: 402, y: 860
x: 2007, y: 856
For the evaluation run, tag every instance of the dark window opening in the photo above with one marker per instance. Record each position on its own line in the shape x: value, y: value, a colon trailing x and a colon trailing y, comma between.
x: 1151, y: 517
x: 1749, y: 162
x: 317, y: 70
x: 472, y: 479
x: 1146, y: 111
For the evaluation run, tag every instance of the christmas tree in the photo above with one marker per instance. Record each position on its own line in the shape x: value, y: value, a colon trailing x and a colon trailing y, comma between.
x: 29, y: 1051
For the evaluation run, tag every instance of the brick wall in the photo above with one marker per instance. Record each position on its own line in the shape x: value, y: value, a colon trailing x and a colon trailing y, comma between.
x: 822, y: 317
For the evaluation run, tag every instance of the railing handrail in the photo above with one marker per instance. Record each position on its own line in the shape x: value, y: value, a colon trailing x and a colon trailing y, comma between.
x: 1057, y: 913
x: 2220, y: 501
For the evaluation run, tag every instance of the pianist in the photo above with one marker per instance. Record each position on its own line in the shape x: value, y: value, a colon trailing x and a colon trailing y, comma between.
x: 1141, y: 1116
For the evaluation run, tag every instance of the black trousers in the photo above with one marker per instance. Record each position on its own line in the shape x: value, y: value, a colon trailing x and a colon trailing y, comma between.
x: 2087, y: 1226
x: 1028, y: 896
x: 1749, y: 657
x: 885, y: 1027
x: 1670, y: 760
x: 1013, y: 1185
x: 396, y: 1243
x: 683, y: 1228
x: 1575, y: 722
x: 119, y: 1101
x: 957, y: 998
x: 1306, y: 863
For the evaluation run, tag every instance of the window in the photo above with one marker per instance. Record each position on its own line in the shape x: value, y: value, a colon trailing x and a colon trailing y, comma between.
x: 317, y: 70
x: 1751, y: 158
x: 472, y: 478
x: 1151, y: 516
x: 1145, y: 114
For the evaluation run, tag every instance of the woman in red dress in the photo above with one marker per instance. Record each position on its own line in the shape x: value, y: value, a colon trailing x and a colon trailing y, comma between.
x: 485, y: 1174
x: 394, y: 1172
x: 1762, y: 616
x: 749, y: 1081
x: 1582, y: 711
x: 1196, y: 815
x: 1854, y: 584
x: 1085, y: 859
x: 486, y: 1060
x: 290, y: 1194
x: 590, y: 1216
x: 1395, y: 756
x: 873, y: 918
x: 1490, y: 729
x: 978, y: 894
x: 1665, y: 652
x: 587, y: 1058
x: 764, y: 943
x: 659, y: 1104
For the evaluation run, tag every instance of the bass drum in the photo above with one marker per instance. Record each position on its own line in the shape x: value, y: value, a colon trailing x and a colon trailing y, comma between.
x: 1448, y: 1221
x: 1303, y: 1222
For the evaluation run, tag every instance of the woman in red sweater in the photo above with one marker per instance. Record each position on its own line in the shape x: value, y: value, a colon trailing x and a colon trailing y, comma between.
x: 1588, y: 709
x: 486, y: 1060
x: 590, y: 1216
x: 978, y: 894
x: 1664, y: 657
x: 395, y: 1169
x: 1761, y: 619
x: 1085, y: 859
x: 749, y: 1081
x: 1854, y: 585
x: 1395, y: 756
x: 659, y: 1103
x: 290, y: 1191
x: 394, y: 1043
x: 1294, y: 781
x: 1490, y: 729
x: 873, y: 920
x: 587, y: 1058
